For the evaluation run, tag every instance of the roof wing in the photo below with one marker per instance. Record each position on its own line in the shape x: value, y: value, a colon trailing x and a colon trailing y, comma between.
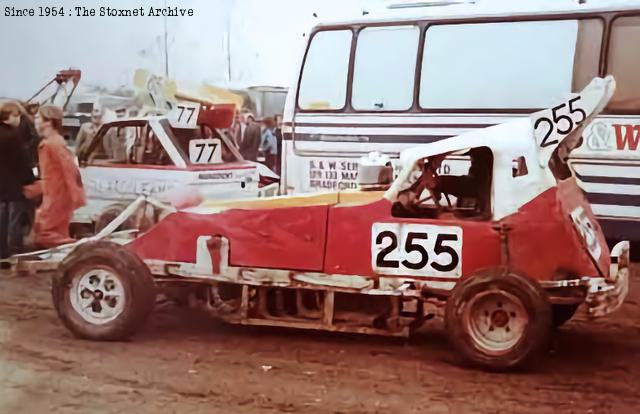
x: 560, y: 127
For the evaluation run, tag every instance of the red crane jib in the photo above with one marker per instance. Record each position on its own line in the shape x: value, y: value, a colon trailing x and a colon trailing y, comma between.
x: 68, y: 75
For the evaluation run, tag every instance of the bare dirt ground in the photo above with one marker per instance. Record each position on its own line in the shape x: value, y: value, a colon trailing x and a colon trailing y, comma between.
x: 183, y: 362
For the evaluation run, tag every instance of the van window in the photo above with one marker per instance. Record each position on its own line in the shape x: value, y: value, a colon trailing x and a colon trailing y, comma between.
x: 384, y: 68
x: 586, y: 63
x: 514, y: 65
x: 624, y: 62
x: 324, y: 77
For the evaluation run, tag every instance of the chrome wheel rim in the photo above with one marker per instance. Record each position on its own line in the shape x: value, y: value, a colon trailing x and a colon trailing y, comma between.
x: 98, y: 296
x: 496, y: 321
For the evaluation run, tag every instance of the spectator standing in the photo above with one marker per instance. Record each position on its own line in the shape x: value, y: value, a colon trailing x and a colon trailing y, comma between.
x: 269, y: 144
x: 278, y: 133
x: 115, y: 144
x: 30, y: 138
x: 62, y: 190
x: 15, y: 173
x: 237, y: 129
x: 251, y: 139
x: 87, y: 131
x: 23, y: 215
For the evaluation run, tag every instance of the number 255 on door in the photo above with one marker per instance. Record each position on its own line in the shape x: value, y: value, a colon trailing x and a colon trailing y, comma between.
x: 416, y: 250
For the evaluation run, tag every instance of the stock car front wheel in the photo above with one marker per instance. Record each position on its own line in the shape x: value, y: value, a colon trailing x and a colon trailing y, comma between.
x: 103, y: 292
x: 498, y: 320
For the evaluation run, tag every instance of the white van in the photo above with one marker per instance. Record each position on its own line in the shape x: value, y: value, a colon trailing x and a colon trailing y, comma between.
x: 418, y: 75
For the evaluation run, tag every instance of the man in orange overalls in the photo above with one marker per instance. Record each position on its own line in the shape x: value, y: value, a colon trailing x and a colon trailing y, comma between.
x: 62, y: 190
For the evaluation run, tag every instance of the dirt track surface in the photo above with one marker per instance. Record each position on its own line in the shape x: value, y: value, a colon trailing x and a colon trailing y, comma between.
x: 184, y: 362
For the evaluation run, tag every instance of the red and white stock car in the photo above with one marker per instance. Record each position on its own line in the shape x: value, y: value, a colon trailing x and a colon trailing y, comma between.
x: 160, y: 154
x: 504, y: 252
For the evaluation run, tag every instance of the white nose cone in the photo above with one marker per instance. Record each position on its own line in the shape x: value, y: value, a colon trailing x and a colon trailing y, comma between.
x: 562, y: 125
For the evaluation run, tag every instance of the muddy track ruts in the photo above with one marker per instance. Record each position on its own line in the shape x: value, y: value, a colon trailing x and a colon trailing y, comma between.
x: 185, y: 362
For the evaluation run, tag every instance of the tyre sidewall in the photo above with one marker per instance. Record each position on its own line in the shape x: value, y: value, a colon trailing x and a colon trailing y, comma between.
x: 137, y: 283
x: 536, y: 333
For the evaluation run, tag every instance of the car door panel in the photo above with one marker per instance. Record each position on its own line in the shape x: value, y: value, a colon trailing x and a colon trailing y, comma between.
x: 367, y: 240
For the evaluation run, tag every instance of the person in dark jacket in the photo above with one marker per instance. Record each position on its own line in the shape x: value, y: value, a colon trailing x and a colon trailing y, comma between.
x: 23, y: 215
x: 250, y: 140
x: 15, y: 172
x: 29, y: 136
x: 278, y: 133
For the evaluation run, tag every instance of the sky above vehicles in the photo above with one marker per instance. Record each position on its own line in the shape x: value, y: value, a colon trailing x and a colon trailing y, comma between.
x: 261, y: 39
x: 235, y: 43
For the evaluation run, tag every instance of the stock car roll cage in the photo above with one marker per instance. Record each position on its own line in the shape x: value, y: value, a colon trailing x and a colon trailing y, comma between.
x: 166, y: 136
x: 472, y: 190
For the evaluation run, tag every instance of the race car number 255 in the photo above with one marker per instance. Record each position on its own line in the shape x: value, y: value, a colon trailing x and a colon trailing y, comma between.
x: 416, y: 250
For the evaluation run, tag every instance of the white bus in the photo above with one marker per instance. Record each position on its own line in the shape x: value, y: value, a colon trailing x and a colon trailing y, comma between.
x: 417, y: 75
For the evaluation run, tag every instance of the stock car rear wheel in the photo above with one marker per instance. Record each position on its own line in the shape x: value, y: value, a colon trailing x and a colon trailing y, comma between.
x: 103, y: 292
x: 498, y: 320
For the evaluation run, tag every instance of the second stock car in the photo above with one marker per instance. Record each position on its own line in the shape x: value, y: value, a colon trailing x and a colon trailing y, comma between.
x: 504, y: 252
x: 160, y: 154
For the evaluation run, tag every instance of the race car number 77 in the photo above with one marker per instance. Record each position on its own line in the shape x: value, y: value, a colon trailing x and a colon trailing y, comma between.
x: 205, y: 151
x: 184, y: 115
x: 416, y: 250
x: 189, y: 111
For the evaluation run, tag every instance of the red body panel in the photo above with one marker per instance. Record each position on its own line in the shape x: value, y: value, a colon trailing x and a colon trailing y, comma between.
x: 543, y: 243
x: 349, y: 238
x: 284, y: 238
x: 571, y: 196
